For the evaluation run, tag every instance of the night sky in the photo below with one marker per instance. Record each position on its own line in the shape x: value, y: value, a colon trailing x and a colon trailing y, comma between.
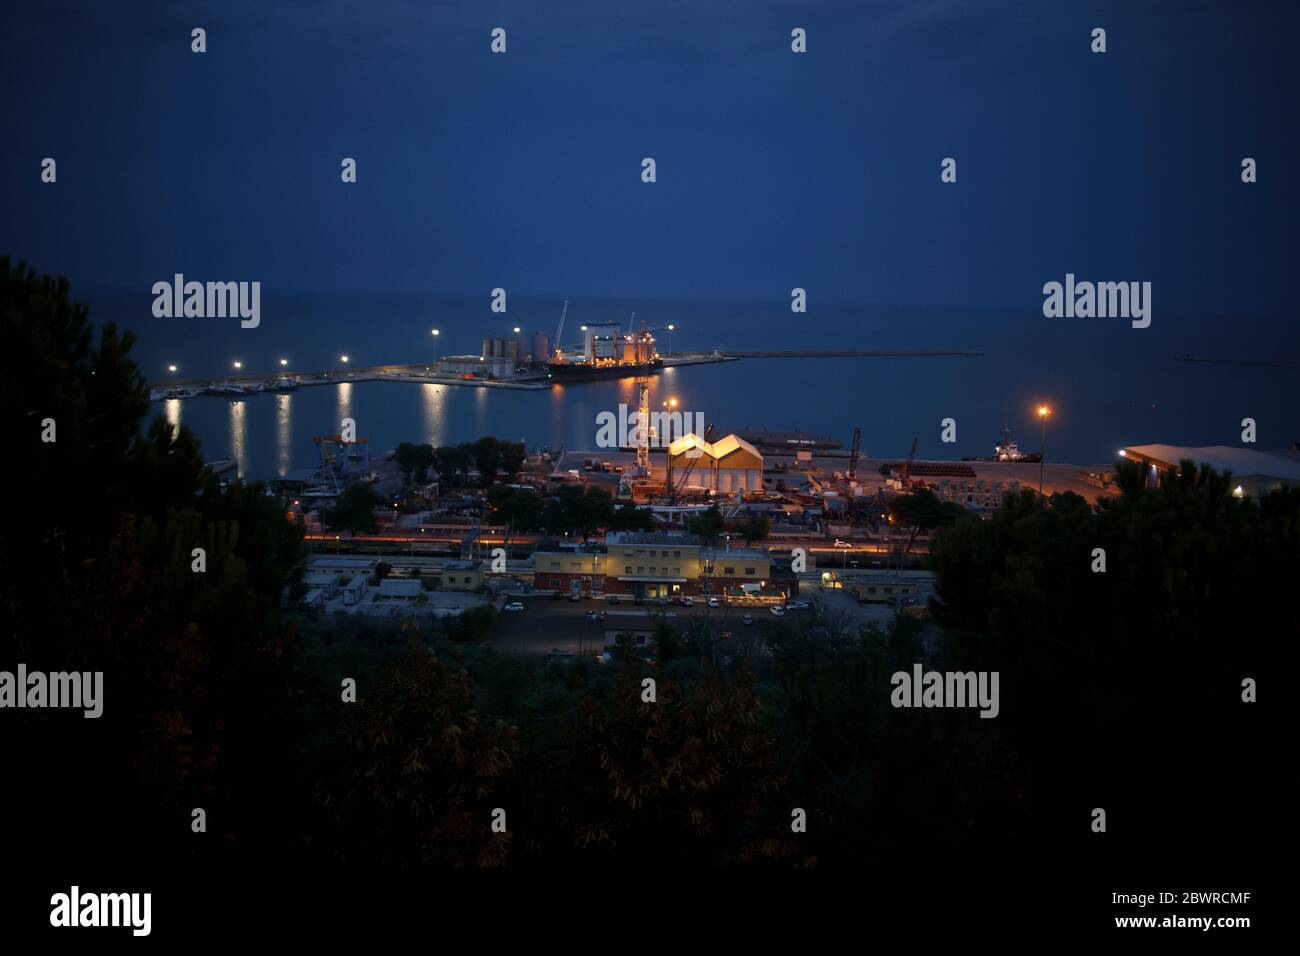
x: 775, y: 170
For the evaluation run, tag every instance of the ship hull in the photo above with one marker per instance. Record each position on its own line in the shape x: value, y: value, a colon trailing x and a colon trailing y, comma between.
x: 573, y: 372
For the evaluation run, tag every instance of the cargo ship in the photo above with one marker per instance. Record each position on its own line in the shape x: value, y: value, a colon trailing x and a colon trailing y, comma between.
x: 586, y: 371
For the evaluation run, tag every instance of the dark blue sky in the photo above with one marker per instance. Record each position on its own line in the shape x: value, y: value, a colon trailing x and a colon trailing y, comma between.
x: 775, y: 169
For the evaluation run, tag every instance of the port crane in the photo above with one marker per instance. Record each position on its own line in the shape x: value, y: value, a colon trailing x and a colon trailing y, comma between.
x: 560, y: 328
x: 905, y: 473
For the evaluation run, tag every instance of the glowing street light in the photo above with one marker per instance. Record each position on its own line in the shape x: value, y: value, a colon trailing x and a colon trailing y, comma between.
x: 171, y: 368
x: 239, y: 365
x: 517, y: 330
x: 670, y: 339
x: 343, y: 359
x: 284, y: 362
x: 1043, y: 413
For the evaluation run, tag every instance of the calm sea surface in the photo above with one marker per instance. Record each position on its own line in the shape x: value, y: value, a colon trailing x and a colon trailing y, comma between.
x: 1109, y: 385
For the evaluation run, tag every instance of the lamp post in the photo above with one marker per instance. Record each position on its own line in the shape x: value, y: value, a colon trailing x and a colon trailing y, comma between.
x: 1043, y: 412
x: 670, y: 339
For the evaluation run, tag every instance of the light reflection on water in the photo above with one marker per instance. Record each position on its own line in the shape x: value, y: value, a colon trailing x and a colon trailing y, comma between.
x: 433, y: 413
x: 172, y: 409
x: 239, y: 436
x: 283, y: 434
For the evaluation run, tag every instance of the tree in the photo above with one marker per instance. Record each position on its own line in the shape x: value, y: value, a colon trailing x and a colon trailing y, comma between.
x: 417, y: 771
x: 628, y: 517
x: 694, y: 779
x: 517, y: 509
x: 160, y: 579
x: 708, y: 524
x: 512, y: 455
x: 453, y: 463
x: 487, y: 457
x: 578, y: 510
x: 921, y: 510
x: 755, y: 528
x: 414, y: 461
x: 354, y: 510
x: 1160, y: 635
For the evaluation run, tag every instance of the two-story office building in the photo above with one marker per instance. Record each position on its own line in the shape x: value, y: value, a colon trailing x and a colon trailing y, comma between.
x: 650, y: 565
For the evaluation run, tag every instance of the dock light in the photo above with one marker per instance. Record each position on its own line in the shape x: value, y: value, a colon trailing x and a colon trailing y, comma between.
x: 171, y: 368
x: 584, y: 328
x: 435, y: 332
x: 343, y: 359
x: 516, y: 330
x: 239, y: 365
x: 284, y: 361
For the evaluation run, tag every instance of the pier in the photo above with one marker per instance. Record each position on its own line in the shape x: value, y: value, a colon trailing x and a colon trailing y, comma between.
x: 528, y: 381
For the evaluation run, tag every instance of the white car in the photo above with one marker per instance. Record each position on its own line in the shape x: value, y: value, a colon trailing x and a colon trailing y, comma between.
x: 797, y: 606
x: 778, y: 612
x: 514, y: 606
x: 713, y: 602
x: 688, y: 602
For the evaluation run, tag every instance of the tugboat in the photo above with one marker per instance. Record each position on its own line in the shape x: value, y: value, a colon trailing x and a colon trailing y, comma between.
x: 1007, y: 450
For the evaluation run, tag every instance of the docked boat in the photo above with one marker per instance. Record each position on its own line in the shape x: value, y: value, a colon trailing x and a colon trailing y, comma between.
x: 1007, y: 450
x: 585, y: 371
x: 281, y: 384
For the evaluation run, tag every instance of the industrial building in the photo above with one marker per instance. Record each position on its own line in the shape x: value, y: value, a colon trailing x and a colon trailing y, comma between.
x: 462, y: 575
x: 479, y: 366
x: 722, y: 467
x: 1254, y: 473
x: 654, y: 565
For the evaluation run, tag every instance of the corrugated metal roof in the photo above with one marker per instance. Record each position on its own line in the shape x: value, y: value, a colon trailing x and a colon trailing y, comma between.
x: 1242, y: 462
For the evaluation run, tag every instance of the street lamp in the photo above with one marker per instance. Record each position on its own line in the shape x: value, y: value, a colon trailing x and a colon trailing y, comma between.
x: 283, y: 362
x: 239, y: 365
x: 171, y: 368
x: 343, y: 359
x: 670, y: 339
x: 1043, y: 412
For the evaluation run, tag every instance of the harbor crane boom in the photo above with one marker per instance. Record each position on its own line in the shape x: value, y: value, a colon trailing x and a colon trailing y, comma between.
x: 560, y: 328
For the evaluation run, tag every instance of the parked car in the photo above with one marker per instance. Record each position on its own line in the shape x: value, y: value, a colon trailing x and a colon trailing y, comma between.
x: 688, y: 602
x: 746, y: 620
x: 663, y: 600
x: 612, y: 598
x: 713, y: 602
x: 797, y: 606
x: 514, y: 606
x: 575, y: 597
x: 778, y: 611
x: 557, y: 596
